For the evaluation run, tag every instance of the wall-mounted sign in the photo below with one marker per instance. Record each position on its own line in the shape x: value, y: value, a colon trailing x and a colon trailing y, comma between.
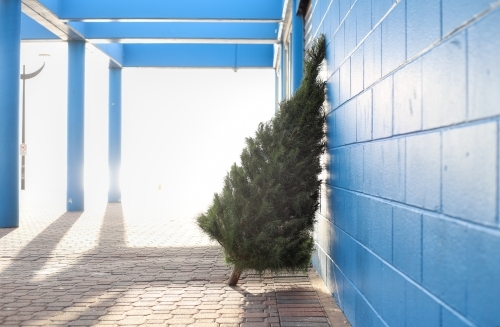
x: 23, y: 149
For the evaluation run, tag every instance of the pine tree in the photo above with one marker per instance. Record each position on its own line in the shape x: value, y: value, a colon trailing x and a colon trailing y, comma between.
x: 265, y: 214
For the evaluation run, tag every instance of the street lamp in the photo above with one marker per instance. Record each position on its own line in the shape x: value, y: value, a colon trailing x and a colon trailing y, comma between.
x: 23, y: 148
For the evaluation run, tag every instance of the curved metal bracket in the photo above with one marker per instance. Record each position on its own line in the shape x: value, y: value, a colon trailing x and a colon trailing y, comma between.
x: 31, y: 75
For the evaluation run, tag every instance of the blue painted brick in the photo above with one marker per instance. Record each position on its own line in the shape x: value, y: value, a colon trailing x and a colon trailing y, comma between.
x: 349, y: 299
x: 407, y: 242
x: 336, y: 168
x: 350, y: 258
x: 483, y: 282
x: 362, y: 263
x: 334, y: 13
x: 382, y: 108
x: 449, y: 319
x: 330, y: 65
x: 333, y: 89
x: 392, y: 168
x: 362, y: 316
x: 330, y: 132
x: 344, y: 6
x: 379, y: 9
x: 338, y: 41
x: 350, y: 214
x: 336, y: 246
x: 372, y: 51
x: 364, y: 116
x: 444, y: 84
x: 337, y: 200
x: 350, y: 32
x: 363, y: 19
x: 470, y: 173
x: 374, y: 286
x: 421, y: 310
x: 372, y: 177
x: 408, y: 98
x: 444, y: 264
x: 423, y: 24
x: 394, y: 39
x: 338, y: 280
x: 345, y: 167
x: 356, y: 168
x: 457, y: 12
x: 345, y: 81
x: 381, y: 229
x: 392, y: 297
x: 423, y: 171
x: 377, y: 320
x: 363, y: 220
x: 357, y: 71
x: 330, y: 279
x: 484, y: 67
x: 384, y: 173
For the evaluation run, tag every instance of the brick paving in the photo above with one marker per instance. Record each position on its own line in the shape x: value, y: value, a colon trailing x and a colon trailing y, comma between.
x: 114, y: 265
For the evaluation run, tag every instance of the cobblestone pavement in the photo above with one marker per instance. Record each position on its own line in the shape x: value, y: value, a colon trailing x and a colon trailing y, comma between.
x: 121, y: 266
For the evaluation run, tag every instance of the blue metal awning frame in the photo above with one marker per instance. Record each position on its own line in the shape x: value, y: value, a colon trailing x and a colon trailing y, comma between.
x: 164, y: 33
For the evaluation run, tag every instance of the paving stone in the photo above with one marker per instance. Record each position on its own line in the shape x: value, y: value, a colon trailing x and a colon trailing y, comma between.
x: 115, y: 265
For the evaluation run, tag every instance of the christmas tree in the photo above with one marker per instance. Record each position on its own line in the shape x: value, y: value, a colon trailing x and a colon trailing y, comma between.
x: 264, y: 216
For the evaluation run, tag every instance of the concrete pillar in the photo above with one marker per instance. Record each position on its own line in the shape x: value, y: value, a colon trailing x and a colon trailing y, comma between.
x: 10, y: 48
x: 297, y: 48
x: 115, y: 133
x: 76, y: 95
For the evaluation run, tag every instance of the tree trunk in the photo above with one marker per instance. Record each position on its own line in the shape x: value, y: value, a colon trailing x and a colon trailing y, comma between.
x: 235, y: 276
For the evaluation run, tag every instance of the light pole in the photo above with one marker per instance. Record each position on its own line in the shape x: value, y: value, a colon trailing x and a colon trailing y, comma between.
x: 23, y: 148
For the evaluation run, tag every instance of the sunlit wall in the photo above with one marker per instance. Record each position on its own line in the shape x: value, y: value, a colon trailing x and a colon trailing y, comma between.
x: 409, y: 231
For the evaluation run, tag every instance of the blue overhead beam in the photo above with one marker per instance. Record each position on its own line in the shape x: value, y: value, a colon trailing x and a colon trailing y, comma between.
x: 170, y: 9
x: 114, y: 51
x: 177, y: 30
x: 198, y: 55
x: 31, y: 30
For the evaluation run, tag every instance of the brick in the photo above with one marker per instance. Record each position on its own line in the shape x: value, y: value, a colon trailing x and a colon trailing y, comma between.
x: 363, y: 19
x: 394, y: 38
x: 470, y: 173
x: 338, y: 45
x: 444, y: 83
x: 417, y: 302
x: 357, y: 71
x: 380, y: 220
x: 423, y: 171
x: 372, y: 52
x: 483, y: 284
x: 350, y: 30
x: 450, y: 319
x: 364, y: 116
x: 457, y: 12
x: 407, y: 242
x: 484, y: 67
x: 379, y: 9
x: 408, y: 98
x: 423, y: 25
x: 383, y: 108
x: 345, y: 81
x: 444, y: 264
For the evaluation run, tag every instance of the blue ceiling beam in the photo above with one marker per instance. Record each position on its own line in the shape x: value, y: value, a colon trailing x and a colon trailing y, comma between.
x: 178, y: 30
x: 31, y: 30
x: 199, y: 55
x: 170, y: 9
x: 114, y: 51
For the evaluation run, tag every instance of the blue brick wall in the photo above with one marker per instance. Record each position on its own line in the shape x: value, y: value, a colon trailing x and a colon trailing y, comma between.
x: 408, y: 232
